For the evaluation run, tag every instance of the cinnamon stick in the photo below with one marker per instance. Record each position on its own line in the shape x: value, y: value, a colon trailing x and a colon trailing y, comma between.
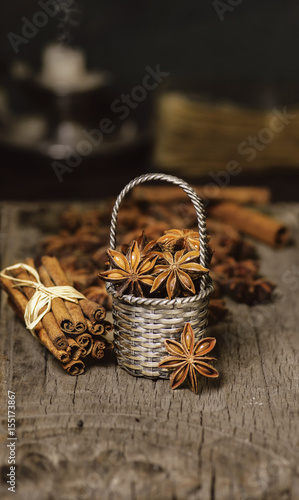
x: 98, y: 349
x: 49, y: 323
x: 58, y: 277
x: 58, y: 307
x: 76, y: 350
x: 95, y: 328
x: 253, y: 223
x: 93, y: 311
x: 108, y: 327
x: 86, y: 343
x: 18, y: 303
x: 74, y: 367
x: 171, y: 194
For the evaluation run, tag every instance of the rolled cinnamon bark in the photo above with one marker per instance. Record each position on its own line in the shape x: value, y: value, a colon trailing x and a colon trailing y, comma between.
x: 170, y: 194
x: 58, y: 277
x: 86, y: 343
x: 258, y: 225
x: 108, y: 327
x: 93, y: 311
x: 76, y: 350
x: 74, y: 367
x: 49, y: 323
x: 95, y: 328
x: 98, y: 349
x: 18, y: 303
x: 58, y: 307
x: 109, y: 345
x: 62, y: 356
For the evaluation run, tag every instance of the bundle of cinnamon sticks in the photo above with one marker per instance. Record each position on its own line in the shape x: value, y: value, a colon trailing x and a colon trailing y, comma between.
x: 72, y: 332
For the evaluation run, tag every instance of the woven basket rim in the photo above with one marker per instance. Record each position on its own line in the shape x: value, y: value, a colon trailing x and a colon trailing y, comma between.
x: 142, y: 301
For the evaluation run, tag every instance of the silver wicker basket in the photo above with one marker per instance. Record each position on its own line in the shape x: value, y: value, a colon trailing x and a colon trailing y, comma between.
x: 141, y: 325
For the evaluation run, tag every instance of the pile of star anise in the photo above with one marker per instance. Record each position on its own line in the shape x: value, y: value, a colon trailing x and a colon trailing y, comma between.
x: 164, y: 267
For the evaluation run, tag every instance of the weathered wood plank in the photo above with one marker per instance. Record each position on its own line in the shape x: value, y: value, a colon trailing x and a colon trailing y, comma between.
x: 107, y: 435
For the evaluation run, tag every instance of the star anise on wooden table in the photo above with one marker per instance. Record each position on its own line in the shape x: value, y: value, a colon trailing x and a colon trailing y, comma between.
x: 232, y: 269
x: 187, y: 359
x: 175, y: 273
x: 248, y: 291
x: 129, y: 271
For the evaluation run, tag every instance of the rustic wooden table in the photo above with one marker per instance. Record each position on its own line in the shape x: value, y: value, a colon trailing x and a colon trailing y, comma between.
x: 108, y: 436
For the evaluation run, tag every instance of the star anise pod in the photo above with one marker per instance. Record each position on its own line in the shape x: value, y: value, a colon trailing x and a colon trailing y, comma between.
x: 261, y: 290
x: 187, y: 360
x: 248, y: 291
x: 145, y: 246
x: 129, y: 271
x: 179, y: 238
x: 175, y: 274
x: 230, y: 268
x: 153, y: 230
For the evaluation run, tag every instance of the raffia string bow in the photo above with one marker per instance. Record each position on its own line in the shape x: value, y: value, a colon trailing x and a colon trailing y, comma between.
x: 40, y: 302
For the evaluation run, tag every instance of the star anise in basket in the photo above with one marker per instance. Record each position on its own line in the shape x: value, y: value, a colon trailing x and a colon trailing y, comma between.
x: 187, y: 359
x: 179, y: 238
x: 145, y: 246
x: 178, y: 273
x: 129, y: 272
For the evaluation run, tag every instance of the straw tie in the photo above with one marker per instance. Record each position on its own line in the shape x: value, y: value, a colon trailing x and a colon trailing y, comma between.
x: 40, y: 303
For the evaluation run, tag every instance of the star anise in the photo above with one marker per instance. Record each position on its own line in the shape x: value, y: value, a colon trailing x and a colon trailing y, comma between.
x: 176, y: 272
x: 230, y: 268
x: 248, y: 291
x: 179, y: 238
x: 130, y: 271
x: 187, y: 360
x: 145, y: 246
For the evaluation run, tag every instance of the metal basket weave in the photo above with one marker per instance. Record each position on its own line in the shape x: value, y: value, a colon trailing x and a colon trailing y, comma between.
x: 141, y: 325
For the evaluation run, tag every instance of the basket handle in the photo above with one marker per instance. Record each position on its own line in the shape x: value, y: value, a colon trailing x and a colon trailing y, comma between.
x: 197, y: 203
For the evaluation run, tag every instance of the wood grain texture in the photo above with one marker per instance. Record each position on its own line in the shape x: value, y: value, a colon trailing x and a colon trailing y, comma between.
x: 109, y: 436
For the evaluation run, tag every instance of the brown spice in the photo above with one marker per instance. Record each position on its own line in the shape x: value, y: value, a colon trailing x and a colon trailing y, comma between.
x: 74, y: 367
x: 251, y: 222
x: 49, y: 323
x: 85, y: 342
x: 59, y: 309
x: 129, y: 273
x: 18, y: 302
x: 187, y: 359
x: 76, y: 350
x: 98, y: 349
x: 93, y: 311
x: 177, y: 273
x: 57, y: 275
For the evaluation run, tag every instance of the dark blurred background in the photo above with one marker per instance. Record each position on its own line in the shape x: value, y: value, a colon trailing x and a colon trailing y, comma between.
x: 245, y: 51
